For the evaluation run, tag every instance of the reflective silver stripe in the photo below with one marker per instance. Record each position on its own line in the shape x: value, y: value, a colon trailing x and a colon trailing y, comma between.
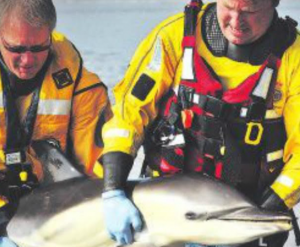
x: 187, y: 64
x: 285, y: 180
x: 196, y: 99
x: 176, y: 89
x: 244, y: 111
x: 276, y: 155
x: 54, y: 107
x: 261, y: 90
x: 156, y: 61
x: 1, y: 100
x: 178, y: 140
x: 117, y: 133
x: 272, y: 114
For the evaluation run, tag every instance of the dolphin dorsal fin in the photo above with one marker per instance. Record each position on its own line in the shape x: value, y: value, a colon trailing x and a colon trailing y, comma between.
x: 56, y: 166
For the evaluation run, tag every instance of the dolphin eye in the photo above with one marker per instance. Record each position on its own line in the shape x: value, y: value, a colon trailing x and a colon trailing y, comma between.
x: 191, y: 216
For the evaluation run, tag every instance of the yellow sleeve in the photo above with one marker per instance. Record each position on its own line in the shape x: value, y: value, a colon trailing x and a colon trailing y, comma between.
x: 287, y: 185
x: 90, y: 105
x: 149, y: 76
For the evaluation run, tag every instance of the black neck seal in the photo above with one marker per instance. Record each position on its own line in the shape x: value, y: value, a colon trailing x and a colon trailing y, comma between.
x: 280, y: 35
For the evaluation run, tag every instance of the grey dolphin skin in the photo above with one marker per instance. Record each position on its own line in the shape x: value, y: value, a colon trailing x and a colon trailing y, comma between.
x: 178, y: 209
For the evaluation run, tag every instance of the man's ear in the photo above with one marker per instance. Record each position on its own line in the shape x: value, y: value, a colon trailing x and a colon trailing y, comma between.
x: 275, y: 3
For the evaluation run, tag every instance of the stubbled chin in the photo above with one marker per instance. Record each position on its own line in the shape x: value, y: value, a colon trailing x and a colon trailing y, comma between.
x: 237, y: 40
x: 25, y: 76
x: 236, y: 37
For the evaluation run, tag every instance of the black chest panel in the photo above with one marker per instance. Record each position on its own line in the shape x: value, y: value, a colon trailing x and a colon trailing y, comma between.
x: 240, y: 150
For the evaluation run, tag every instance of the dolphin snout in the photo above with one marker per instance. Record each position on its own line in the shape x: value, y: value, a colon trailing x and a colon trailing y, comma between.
x: 256, y: 214
x: 282, y: 221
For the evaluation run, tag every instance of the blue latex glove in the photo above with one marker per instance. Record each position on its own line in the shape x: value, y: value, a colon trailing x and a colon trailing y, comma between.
x: 6, y: 242
x: 119, y: 215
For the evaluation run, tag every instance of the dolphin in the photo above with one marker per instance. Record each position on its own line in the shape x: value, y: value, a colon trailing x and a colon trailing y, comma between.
x: 175, y: 210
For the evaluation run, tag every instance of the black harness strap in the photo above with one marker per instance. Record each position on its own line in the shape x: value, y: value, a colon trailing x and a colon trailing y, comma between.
x: 296, y: 227
x: 18, y: 137
x: 191, y: 13
x: 19, y: 134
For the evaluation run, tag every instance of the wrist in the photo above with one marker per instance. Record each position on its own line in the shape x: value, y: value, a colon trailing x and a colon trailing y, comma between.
x: 271, y: 201
x: 113, y: 193
x: 117, y: 166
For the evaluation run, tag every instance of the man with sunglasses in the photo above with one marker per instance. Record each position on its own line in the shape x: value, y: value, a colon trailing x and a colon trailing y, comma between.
x: 45, y: 93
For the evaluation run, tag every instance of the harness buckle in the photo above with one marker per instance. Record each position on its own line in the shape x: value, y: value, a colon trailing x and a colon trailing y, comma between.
x: 217, y: 107
x: 187, y: 118
x: 23, y: 176
x: 186, y: 96
x: 253, y: 133
x: 163, y: 133
x: 256, y: 111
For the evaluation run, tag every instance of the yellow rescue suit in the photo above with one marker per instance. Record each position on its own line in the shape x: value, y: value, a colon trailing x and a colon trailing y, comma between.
x: 159, y: 57
x: 71, y: 101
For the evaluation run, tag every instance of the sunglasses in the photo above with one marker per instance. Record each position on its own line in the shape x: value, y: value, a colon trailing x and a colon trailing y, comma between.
x: 22, y: 49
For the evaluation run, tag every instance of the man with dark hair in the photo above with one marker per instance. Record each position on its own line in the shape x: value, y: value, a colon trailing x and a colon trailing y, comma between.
x: 45, y: 92
x: 214, y: 90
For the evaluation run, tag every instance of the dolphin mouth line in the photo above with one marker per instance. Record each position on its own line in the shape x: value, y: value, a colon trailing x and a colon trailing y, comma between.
x: 236, y: 214
x: 258, y: 220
